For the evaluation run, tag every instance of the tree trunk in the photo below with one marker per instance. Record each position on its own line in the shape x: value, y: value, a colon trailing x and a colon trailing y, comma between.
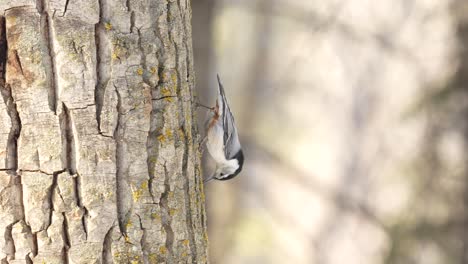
x: 97, y: 133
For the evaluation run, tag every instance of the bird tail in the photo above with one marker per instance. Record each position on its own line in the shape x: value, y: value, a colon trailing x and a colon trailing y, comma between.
x: 222, y: 101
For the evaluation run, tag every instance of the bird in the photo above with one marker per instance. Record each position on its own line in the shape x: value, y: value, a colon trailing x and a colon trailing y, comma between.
x: 222, y: 139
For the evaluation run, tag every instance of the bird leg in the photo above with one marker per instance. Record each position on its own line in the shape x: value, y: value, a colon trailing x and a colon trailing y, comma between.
x: 197, y: 104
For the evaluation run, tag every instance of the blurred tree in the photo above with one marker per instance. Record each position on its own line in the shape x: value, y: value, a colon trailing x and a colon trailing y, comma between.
x: 202, y: 29
x: 461, y: 83
x: 218, y: 209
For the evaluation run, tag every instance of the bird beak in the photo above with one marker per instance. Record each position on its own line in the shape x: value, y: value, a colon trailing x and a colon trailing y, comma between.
x: 209, y: 178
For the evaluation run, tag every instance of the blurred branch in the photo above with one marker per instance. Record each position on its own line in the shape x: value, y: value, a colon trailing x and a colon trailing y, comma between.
x: 308, y: 181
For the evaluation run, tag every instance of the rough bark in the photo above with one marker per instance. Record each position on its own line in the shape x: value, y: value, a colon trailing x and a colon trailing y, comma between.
x: 97, y: 140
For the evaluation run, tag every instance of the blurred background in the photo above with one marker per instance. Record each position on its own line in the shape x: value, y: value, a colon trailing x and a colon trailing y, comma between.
x: 353, y: 116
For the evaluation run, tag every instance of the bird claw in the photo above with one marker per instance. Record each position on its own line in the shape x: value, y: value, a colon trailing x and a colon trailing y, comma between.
x: 198, y: 104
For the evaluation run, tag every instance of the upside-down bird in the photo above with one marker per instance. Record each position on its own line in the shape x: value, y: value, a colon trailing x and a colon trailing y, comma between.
x: 222, y: 140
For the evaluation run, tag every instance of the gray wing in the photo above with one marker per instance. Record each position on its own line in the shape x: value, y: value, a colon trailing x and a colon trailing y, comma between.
x: 231, y: 139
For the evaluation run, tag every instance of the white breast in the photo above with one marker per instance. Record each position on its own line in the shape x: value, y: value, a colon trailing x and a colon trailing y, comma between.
x: 215, y: 144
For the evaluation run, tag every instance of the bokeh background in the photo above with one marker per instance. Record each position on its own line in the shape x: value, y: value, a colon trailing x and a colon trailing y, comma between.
x: 353, y: 116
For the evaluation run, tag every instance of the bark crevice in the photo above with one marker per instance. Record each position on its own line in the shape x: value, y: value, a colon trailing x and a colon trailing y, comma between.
x: 65, y: 8
x: 10, y: 249
x: 47, y: 32
x: 132, y: 21
x: 103, y: 55
x: 121, y: 172
x: 142, y: 57
x: 40, y: 171
x: 152, y: 144
x: 35, y: 246
x: 33, y: 238
x: 188, y: 201
x: 11, y: 159
x: 143, y: 243
x: 107, y: 247
x: 50, y: 197
x: 68, y: 140
x: 66, y: 239
x: 165, y: 216
x: 84, y: 217
x: 18, y: 61
x: 164, y: 97
x: 132, y: 15
x: 69, y: 153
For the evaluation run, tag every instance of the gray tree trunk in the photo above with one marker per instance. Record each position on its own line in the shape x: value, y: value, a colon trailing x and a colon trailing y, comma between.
x: 97, y: 133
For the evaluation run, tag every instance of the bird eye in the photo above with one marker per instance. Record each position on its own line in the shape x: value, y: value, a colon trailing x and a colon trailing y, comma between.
x: 223, y: 176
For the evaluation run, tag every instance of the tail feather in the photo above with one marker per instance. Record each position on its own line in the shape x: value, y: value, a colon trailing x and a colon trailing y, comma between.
x: 220, y: 85
x: 221, y: 89
x: 222, y: 102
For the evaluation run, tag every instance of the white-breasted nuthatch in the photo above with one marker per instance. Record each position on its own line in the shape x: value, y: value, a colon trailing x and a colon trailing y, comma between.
x: 222, y: 140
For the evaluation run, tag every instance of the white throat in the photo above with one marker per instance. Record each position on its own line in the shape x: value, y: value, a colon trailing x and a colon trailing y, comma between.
x: 229, y: 167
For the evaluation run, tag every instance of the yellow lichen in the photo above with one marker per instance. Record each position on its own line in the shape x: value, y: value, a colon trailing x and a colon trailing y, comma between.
x: 161, y: 138
x: 139, y: 71
x: 108, y: 26
x: 108, y: 194
x: 181, y: 134
x: 172, y: 211
x: 186, y: 242
x: 184, y: 254
x: 202, y: 196
x: 174, y: 77
x: 162, y: 250
x: 169, y: 133
x: 129, y: 224
x: 153, y: 159
x: 144, y: 185
x: 153, y: 258
x: 165, y: 91
x: 119, y: 51
x: 137, y: 194
x: 153, y: 70
x: 156, y: 217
